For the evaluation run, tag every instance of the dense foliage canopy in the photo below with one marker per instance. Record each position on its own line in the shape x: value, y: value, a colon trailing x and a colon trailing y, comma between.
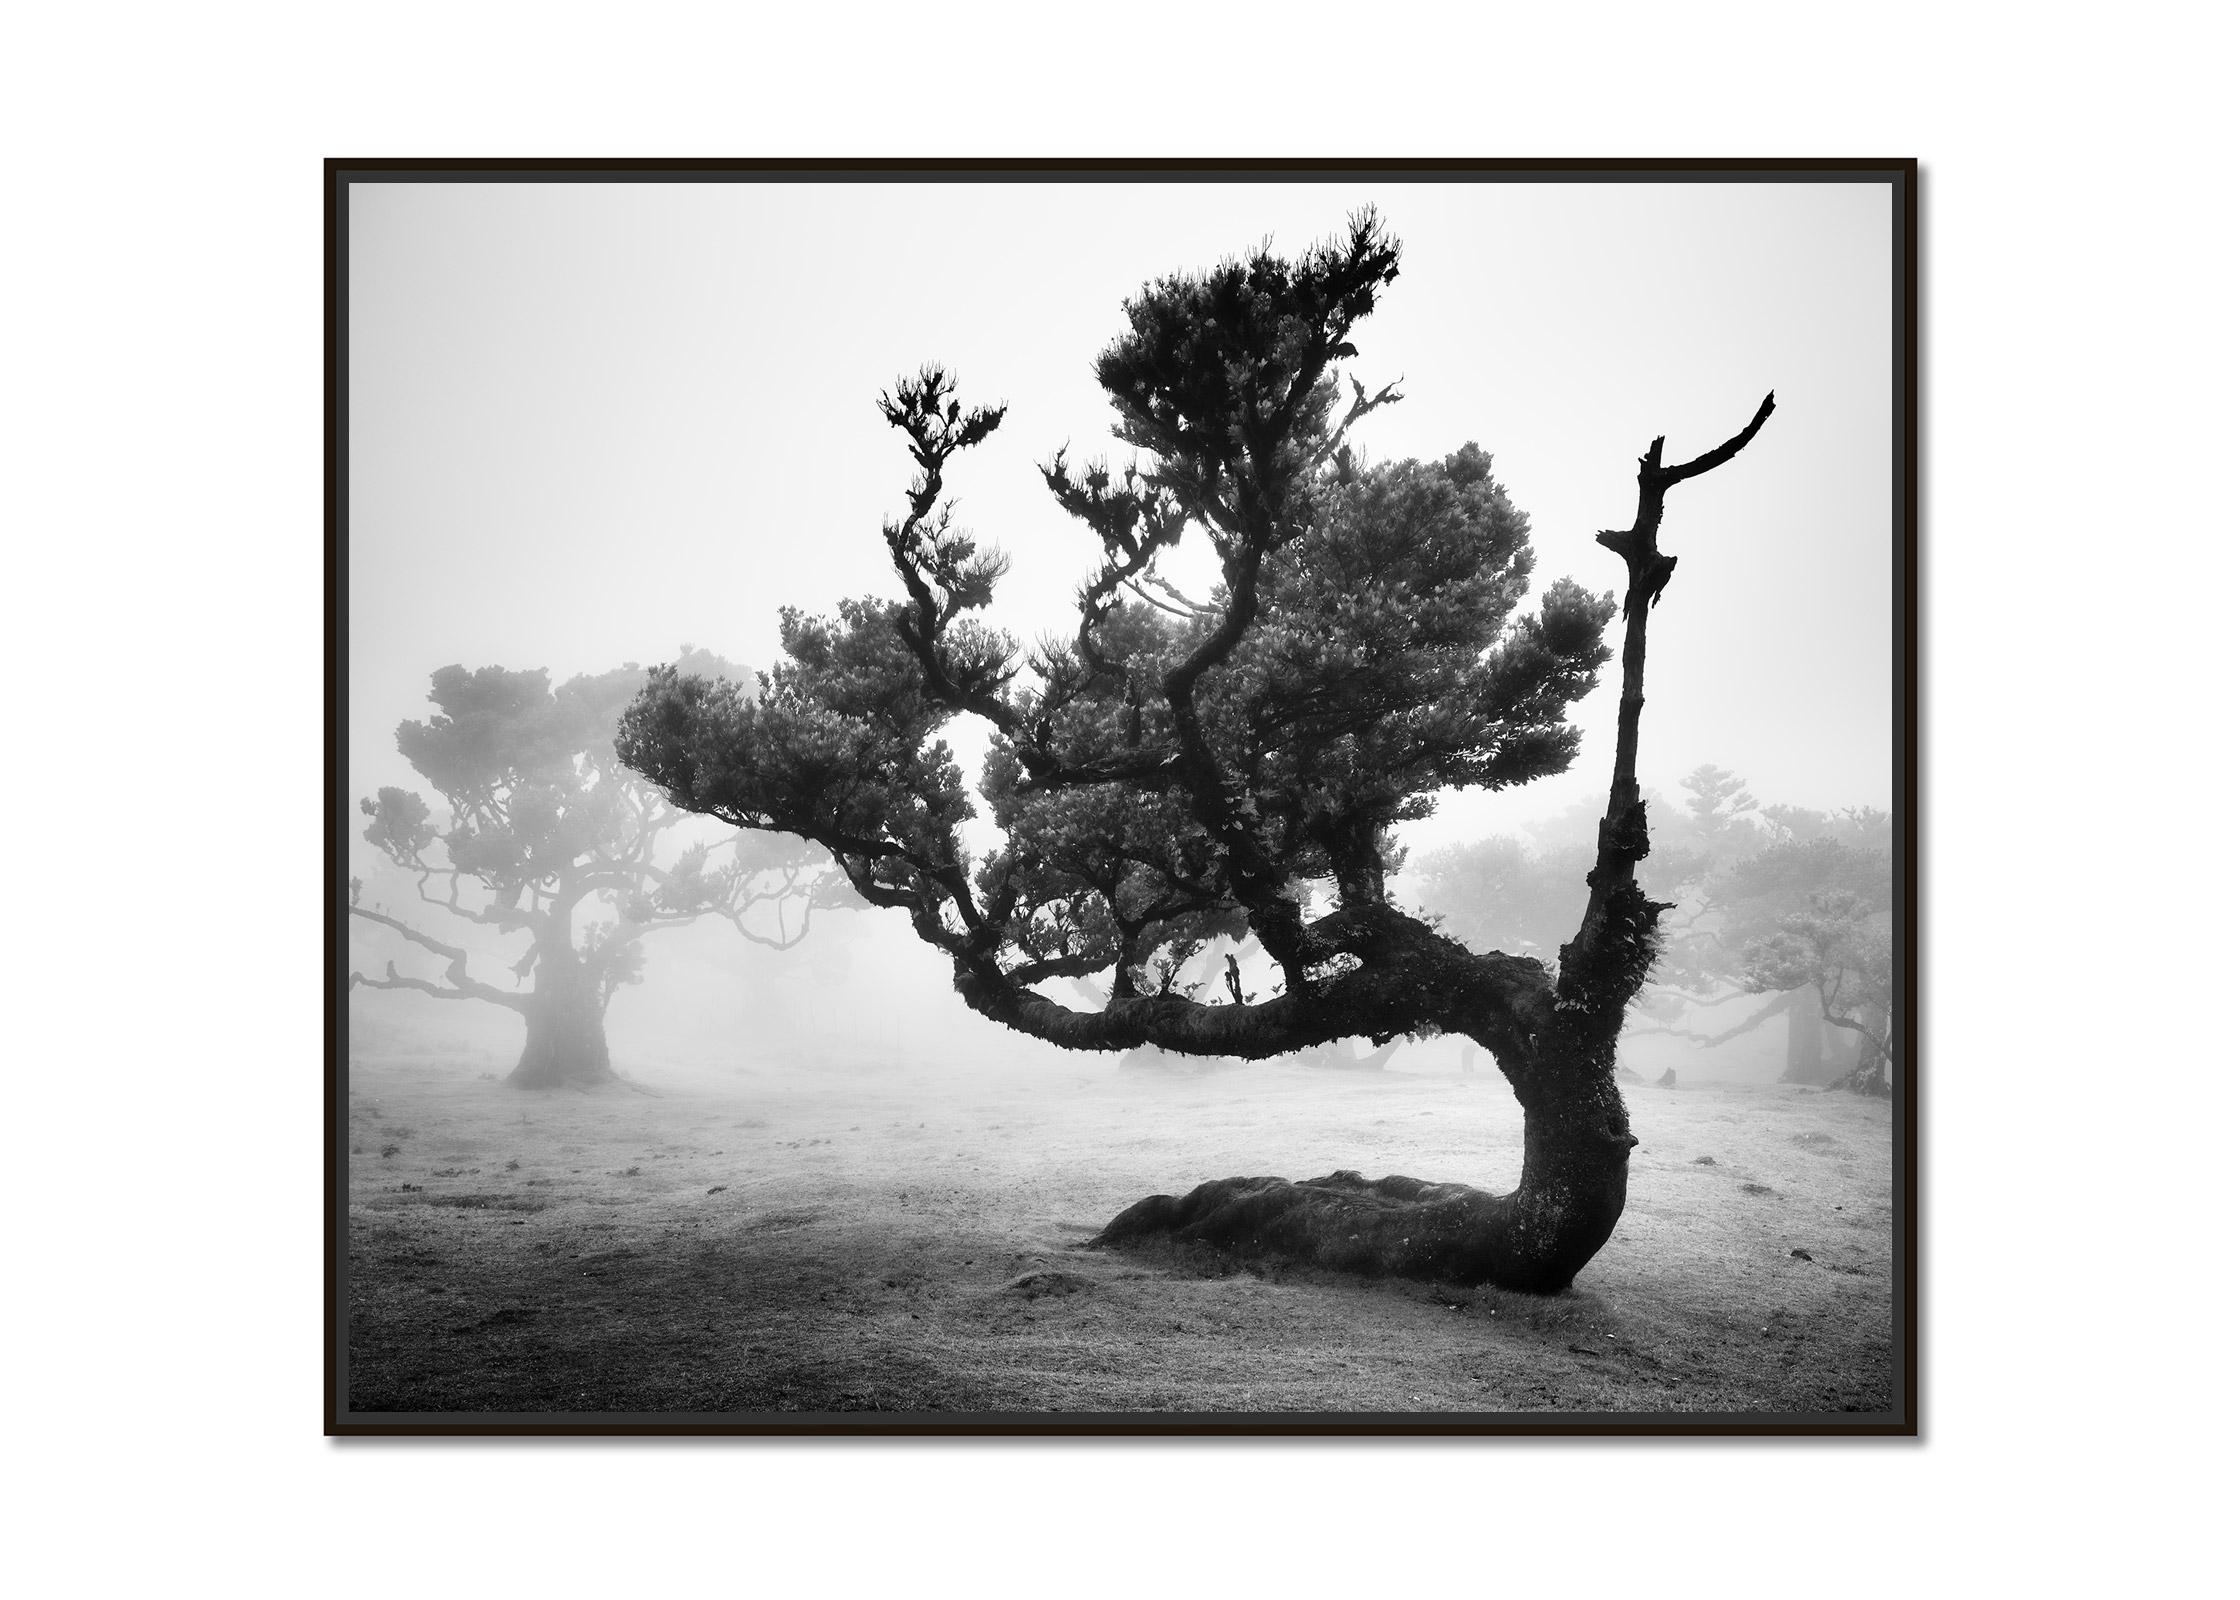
x: 1179, y: 765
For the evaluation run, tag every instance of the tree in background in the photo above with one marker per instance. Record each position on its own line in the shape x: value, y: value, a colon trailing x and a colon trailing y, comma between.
x: 1738, y: 877
x: 1813, y: 907
x: 1838, y: 950
x: 546, y: 829
x: 1242, y: 756
x: 1505, y: 893
x: 1716, y: 826
x: 1520, y: 892
x: 1720, y: 822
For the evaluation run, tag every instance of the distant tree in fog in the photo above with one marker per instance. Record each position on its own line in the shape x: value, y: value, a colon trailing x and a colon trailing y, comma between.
x: 1520, y: 892
x: 549, y: 836
x: 1182, y: 760
x: 1759, y: 873
x: 1506, y: 893
x: 1808, y: 918
x: 1837, y: 949
x: 1719, y: 822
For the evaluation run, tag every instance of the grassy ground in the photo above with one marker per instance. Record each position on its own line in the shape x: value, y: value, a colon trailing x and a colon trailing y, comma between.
x: 787, y: 1241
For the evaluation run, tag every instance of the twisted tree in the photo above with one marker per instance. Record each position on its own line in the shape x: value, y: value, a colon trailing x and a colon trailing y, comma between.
x: 1180, y: 766
x: 546, y: 827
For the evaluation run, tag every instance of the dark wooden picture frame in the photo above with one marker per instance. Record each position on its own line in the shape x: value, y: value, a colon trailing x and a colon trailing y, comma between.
x: 1695, y: 435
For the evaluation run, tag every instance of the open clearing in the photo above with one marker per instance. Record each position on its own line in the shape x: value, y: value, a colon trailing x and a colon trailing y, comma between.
x: 782, y: 1240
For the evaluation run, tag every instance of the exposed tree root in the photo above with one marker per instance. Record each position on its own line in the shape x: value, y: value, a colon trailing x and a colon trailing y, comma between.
x: 1386, y: 1227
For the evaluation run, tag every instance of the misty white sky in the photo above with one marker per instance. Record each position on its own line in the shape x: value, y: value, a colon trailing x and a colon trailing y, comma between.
x: 588, y: 423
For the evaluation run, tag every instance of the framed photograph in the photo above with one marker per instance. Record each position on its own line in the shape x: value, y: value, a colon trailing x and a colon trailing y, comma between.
x: 1087, y: 798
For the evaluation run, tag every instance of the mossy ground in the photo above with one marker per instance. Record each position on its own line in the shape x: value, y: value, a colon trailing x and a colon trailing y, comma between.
x: 787, y: 1241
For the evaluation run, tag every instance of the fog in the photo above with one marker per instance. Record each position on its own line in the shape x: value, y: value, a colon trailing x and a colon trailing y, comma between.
x: 590, y: 423
x: 591, y: 426
x: 856, y: 998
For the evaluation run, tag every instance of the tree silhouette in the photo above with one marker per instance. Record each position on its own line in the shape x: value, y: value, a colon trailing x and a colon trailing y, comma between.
x: 1181, y: 764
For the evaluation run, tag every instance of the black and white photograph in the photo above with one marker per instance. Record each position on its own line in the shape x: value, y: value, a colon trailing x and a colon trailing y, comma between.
x: 1134, y: 801
x: 1052, y: 799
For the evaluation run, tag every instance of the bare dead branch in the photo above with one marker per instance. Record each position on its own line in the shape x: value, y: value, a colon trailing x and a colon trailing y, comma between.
x: 1718, y: 457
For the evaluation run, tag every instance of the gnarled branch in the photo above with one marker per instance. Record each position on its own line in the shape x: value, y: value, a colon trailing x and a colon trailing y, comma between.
x: 1606, y: 962
x: 463, y: 985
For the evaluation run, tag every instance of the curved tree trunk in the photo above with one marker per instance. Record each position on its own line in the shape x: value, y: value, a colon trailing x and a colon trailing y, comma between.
x: 1558, y: 1045
x: 567, y: 1042
x: 1535, y: 1238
